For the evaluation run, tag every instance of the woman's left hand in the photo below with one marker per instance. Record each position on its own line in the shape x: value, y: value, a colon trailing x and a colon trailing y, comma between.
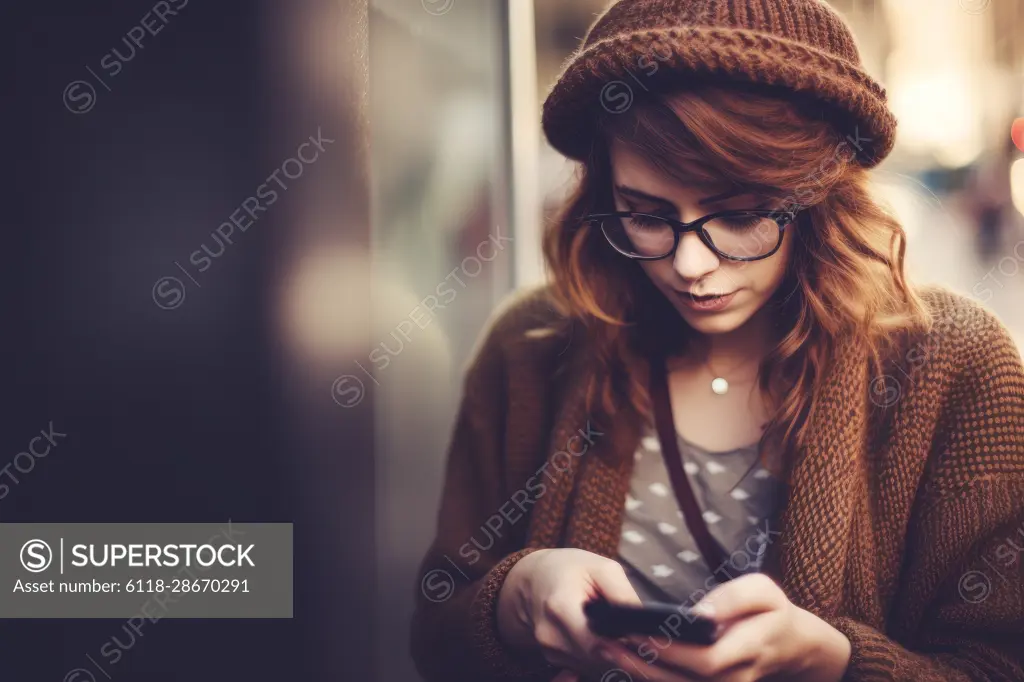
x: 762, y: 635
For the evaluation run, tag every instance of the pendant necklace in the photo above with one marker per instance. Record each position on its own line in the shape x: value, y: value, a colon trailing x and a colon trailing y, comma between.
x: 719, y: 384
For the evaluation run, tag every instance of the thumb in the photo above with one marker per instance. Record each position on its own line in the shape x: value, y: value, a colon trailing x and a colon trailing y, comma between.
x: 611, y: 581
x: 742, y: 596
x: 566, y: 676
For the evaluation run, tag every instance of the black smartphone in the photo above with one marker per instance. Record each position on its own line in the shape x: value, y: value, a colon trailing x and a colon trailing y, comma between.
x: 656, y: 619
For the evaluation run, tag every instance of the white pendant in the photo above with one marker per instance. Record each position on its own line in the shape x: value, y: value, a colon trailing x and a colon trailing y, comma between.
x: 719, y: 385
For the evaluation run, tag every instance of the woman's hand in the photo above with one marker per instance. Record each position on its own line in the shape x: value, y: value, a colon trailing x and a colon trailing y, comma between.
x: 762, y: 635
x: 541, y: 605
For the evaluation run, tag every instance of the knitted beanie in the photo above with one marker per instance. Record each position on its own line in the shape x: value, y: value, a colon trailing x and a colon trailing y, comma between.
x: 800, y: 49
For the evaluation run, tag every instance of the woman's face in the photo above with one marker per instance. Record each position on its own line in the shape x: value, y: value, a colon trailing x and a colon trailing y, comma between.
x: 694, y: 269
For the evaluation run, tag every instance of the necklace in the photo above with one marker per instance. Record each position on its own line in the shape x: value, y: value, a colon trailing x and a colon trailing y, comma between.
x: 719, y: 384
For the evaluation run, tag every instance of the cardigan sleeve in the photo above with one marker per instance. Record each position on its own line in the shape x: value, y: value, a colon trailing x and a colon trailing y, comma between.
x: 454, y: 634
x: 974, y: 628
x: 965, y: 552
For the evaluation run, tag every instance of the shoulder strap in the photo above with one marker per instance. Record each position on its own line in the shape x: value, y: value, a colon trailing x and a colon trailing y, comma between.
x: 712, y: 552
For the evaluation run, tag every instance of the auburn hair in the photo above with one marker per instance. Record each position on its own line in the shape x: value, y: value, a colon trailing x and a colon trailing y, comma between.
x: 845, y: 274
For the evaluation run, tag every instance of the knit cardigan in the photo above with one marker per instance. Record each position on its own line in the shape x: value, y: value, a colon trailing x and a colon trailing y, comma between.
x: 903, y: 528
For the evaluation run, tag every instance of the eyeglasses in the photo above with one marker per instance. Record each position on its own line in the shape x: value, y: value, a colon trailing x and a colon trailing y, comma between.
x: 745, y: 235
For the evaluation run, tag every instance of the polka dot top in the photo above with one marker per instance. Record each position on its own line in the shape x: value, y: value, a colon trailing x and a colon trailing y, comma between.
x: 738, y: 498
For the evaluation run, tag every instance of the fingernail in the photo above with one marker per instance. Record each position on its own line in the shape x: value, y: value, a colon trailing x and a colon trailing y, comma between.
x: 704, y: 609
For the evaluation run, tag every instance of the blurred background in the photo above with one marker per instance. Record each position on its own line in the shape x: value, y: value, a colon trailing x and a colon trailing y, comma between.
x: 311, y: 371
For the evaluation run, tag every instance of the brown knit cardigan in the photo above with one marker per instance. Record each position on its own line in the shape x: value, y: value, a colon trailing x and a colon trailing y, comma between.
x: 904, y: 529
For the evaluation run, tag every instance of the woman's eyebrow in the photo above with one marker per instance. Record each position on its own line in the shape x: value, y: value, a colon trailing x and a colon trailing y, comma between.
x: 643, y: 196
x: 716, y: 199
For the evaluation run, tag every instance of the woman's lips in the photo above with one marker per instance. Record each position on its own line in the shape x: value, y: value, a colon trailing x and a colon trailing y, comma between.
x: 706, y: 304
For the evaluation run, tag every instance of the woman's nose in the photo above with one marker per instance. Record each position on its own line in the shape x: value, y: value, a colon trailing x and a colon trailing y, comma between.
x: 693, y: 259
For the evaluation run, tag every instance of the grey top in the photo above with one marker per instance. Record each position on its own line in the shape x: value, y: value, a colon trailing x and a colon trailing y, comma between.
x: 739, y: 500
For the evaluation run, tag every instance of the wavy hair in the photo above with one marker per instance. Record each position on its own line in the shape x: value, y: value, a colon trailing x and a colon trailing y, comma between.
x: 845, y: 275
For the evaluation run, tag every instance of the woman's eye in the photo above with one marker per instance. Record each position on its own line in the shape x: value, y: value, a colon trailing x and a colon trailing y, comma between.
x: 742, y: 222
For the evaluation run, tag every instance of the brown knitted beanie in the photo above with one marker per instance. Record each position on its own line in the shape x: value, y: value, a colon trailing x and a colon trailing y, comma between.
x: 798, y: 48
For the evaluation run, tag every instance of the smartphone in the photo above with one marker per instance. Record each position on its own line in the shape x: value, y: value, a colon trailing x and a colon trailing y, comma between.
x: 656, y: 619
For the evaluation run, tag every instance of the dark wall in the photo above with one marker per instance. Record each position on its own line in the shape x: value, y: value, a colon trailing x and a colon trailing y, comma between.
x: 171, y: 413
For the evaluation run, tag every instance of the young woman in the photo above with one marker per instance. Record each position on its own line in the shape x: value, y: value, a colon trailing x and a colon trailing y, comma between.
x: 729, y: 396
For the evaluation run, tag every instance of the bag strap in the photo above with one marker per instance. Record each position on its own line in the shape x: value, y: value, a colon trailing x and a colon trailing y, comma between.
x: 711, y: 550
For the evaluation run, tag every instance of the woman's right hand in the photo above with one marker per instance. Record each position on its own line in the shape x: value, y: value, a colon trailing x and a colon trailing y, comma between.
x: 541, y: 604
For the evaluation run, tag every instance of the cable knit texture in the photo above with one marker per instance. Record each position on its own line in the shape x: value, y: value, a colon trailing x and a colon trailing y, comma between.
x: 641, y: 46
x: 904, y: 528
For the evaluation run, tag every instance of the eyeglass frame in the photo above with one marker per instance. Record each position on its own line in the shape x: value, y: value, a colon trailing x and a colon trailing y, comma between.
x: 782, y: 219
